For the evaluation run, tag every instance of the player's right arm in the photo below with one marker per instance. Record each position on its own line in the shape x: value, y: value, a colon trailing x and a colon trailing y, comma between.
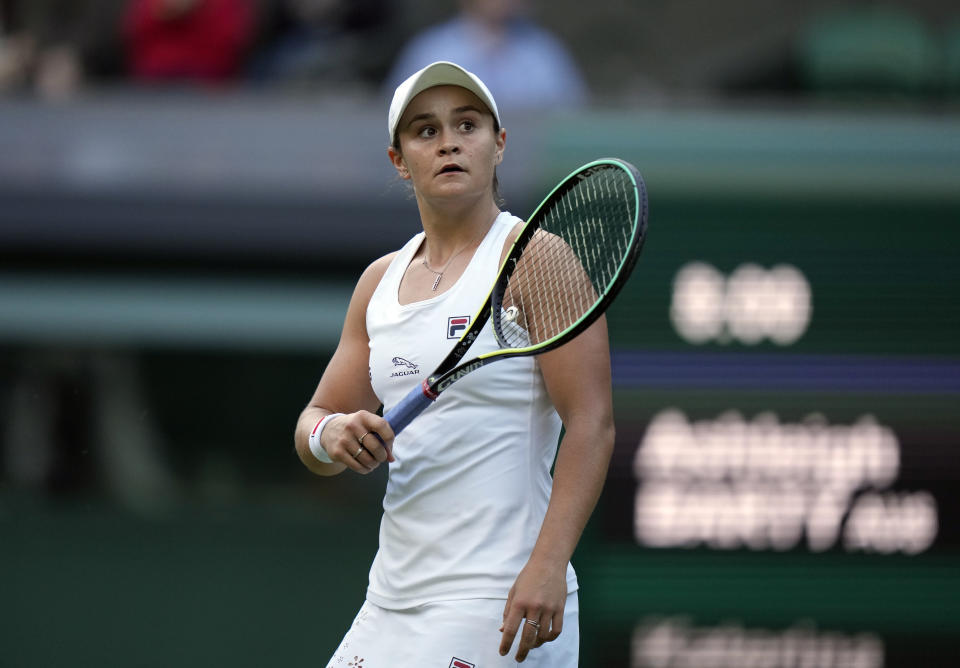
x: 345, y: 388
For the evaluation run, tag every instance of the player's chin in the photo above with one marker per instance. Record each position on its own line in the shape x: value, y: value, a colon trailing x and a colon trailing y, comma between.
x: 452, y: 189
x: 452, y: 180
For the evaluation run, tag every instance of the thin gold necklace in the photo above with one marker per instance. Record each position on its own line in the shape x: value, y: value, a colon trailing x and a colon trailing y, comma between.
x: 439, y: 274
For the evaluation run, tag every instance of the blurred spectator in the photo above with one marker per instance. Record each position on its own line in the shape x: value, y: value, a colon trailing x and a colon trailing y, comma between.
x: 524, y: 65
x: 187, y: 40
x: 326, y: 40
x: 48, y: 46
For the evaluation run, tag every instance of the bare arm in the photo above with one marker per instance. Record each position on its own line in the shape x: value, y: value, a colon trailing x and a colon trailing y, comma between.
x: 345, y: 388
x: 577, y: 376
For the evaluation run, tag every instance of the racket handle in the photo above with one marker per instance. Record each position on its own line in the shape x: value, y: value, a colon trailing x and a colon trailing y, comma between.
x: 409, y: 407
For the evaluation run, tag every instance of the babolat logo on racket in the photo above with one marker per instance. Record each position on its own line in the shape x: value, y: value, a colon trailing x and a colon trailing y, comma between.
x: 404, y: 367
x: 460, y: 663
x: 456, y: 324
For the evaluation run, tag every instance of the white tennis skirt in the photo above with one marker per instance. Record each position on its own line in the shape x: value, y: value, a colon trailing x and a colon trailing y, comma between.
x: 448, y: 634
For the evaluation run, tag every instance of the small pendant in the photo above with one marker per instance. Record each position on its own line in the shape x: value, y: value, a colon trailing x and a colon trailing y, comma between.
x: 437, y: 282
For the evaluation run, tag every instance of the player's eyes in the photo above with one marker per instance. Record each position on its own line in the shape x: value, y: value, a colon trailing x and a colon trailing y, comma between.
x: 429, y: 131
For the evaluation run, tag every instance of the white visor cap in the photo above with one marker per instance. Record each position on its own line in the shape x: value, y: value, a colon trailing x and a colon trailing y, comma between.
x: 440, y: 73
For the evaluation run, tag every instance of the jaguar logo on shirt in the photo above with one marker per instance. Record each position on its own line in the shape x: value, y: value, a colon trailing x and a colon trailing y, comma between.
x: 404, y: 367
x: 460, y: 663
x: 456, y: 324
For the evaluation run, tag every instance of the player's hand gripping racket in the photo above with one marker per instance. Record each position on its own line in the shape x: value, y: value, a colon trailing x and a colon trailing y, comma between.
x: 567, y: 264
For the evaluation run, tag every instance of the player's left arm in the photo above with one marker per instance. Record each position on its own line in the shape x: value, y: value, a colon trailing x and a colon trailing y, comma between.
x: 577, y: 377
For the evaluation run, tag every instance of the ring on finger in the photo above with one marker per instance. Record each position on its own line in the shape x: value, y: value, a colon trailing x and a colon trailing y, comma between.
x: 359, y: 451
x: 364, y: 436
x: 535, y: 624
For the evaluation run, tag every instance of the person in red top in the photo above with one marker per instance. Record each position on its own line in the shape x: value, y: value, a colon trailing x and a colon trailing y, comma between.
x: 187, y: 40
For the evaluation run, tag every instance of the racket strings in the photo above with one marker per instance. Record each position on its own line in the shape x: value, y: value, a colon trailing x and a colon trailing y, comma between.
x: 571, y: 261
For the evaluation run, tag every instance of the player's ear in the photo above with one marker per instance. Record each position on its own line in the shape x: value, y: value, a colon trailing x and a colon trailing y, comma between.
x: 396, y: 159
x: 501, y: 141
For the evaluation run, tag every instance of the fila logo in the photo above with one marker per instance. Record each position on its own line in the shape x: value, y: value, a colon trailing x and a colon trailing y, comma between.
x: 457, y: 324
x: 460, y: 663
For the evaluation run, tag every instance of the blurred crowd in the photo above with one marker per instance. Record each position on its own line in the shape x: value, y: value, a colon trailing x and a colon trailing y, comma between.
x: 54, y: 48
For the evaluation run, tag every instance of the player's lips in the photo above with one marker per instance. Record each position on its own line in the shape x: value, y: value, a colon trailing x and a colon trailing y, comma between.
x: 451, y: 168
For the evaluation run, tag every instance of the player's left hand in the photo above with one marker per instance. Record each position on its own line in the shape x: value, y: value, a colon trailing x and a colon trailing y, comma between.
x: 534, y: 607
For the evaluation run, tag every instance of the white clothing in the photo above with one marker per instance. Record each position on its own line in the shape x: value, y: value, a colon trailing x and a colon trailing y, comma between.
x: 449, y: 634
x: 467, y: 495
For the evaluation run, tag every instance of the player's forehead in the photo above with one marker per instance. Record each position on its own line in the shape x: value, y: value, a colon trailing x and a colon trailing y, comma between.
x: 440, y: 101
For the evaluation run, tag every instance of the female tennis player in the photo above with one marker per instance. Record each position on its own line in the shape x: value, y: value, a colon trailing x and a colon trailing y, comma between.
x: 473, y: 566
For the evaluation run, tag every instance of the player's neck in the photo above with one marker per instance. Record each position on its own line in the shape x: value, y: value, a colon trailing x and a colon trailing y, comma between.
x: 449, y: 229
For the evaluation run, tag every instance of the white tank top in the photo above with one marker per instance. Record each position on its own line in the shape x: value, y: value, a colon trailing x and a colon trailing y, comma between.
x: 468, y: 492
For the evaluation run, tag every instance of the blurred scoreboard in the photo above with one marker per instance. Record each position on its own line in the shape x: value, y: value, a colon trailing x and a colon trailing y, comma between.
x: 786, y: 363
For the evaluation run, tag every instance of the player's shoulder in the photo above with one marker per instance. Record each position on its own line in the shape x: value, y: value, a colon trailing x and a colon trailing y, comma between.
x: 517, y: 225
x: 379, y: 266
x: 368, y: 282
x: 374, y: 272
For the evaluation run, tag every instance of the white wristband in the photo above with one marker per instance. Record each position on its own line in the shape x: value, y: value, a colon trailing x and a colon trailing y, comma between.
x: 315, y: 447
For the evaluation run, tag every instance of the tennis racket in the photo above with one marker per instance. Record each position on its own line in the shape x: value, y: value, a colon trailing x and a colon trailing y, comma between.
x: 567, y: 264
